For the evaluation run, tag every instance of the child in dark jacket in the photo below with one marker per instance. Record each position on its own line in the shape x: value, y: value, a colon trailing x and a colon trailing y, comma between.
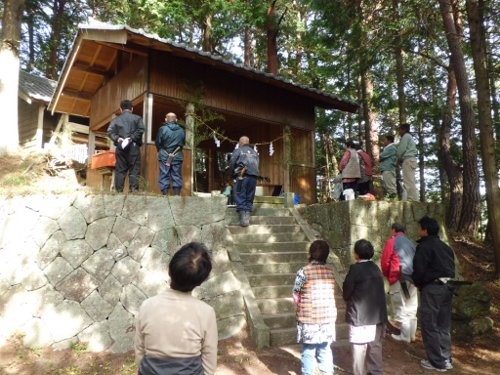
x: 366, y: 312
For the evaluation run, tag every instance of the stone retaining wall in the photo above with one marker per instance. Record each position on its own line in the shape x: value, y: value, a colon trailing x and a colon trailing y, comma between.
x: 77, y: 267
x: 343, y: 223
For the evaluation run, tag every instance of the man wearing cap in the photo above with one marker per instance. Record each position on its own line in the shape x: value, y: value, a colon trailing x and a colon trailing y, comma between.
x: 407, y: 156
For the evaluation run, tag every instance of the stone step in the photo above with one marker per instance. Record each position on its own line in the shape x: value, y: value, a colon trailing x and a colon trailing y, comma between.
x: 264, y: 229
x: 268, y: 237
x: 273, y: 257
x: 259, y: 210
x: 272, y: 220
x: 272, y: 306
x: 272, y: 291
x: 274, y: 268
x: 257, y: 280
x: 274, y: 247
x: 276, y: 305
x: 287, y: 336
x: 269, y: 200
x: 277, y: 321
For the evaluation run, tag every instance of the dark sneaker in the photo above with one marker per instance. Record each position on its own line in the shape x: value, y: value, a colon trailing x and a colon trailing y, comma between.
x: 391, y: 329
x: 428, y: 366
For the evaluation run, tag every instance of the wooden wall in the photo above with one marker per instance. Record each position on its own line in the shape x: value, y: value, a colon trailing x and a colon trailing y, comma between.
x: 302, y: 165
x: 129, y: 83
x: 184, y: 79
x: 28, y: 123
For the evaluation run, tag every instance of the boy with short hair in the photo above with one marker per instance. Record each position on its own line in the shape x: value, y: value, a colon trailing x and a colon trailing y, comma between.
x: 366, y: 312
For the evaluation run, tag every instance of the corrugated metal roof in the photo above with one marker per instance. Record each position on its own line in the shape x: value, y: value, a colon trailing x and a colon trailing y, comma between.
x: 36, y: 87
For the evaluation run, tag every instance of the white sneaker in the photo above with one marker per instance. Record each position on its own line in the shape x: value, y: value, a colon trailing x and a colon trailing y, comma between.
x: 448, y: 365
x: 428, y: 366
x: 399, y: 338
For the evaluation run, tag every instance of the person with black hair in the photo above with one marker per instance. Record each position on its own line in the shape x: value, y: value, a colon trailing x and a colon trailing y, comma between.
x: 314, y: 296
x: 126, y: 133
x: 388, y: 165
x: 433, y: 266
x: 397, y: 266
x: 350, y: 168
x: 366, y: 311
x: 176, y: 333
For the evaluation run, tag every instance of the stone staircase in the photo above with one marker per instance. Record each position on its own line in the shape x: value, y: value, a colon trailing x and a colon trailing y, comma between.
x: 271, y: 250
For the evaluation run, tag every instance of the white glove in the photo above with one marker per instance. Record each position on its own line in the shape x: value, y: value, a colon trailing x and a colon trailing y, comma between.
x: 125, y: 142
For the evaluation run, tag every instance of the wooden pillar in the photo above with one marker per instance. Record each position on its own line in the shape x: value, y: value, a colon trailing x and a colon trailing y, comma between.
x: 39, y: 128
x: 91, y: 145
x: 287, y: 157
x: 313, y: 164
x: 147, y: 118
x: 190, y: 142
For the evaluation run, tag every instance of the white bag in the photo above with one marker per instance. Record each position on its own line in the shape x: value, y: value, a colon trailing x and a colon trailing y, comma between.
x: 349, y: 194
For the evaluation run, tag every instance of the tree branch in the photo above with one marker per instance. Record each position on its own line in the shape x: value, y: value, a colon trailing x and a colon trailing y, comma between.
x: 431, y: 58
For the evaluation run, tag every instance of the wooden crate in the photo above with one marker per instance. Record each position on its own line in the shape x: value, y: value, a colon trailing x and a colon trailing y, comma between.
x: 103, y: 159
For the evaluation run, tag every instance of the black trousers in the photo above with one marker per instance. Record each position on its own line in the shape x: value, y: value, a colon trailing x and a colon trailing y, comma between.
x: 435, y: 322
x: 127, y: 161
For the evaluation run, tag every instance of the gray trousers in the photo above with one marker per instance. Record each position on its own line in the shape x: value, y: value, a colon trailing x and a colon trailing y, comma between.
x: 409, y: 167
x: 389, y: 179
x: 367, y: 358
x: 435, y: 321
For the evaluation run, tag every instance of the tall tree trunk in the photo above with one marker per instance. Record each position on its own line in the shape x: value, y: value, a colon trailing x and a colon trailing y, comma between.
x: 9, y: 73
x: 57, y: 23
x: 207, y: 44
x: 471, y: 205
x: 495, y: 105
x: 369, y: 116
x: 400, y: 73
x: 248, y: 53
x: 421, y: 158
x: 450, y: 166
x: 331, y: 164
x: 475, y: 11
x: 272, y: 36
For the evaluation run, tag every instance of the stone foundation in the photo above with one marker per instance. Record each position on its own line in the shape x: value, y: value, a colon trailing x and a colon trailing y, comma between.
x: 75, y: 268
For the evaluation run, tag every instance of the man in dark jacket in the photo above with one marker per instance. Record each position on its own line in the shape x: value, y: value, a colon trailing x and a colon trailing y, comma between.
x: 126, y: 133
x: 433, y: 266
x: 244, y: 164
x: 366, y: 311
x: 169, y: 143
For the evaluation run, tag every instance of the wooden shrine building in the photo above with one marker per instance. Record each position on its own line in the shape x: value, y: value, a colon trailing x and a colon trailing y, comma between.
x: 213, y: 98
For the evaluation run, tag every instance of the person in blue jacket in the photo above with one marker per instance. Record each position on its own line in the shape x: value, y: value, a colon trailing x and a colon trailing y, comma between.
x: 169, y: 143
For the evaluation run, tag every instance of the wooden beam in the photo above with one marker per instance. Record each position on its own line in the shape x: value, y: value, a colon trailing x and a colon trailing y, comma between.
x: 141, y: 52
x: 92, y: 70
x: 78, y: 128
x: 77, y: 94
